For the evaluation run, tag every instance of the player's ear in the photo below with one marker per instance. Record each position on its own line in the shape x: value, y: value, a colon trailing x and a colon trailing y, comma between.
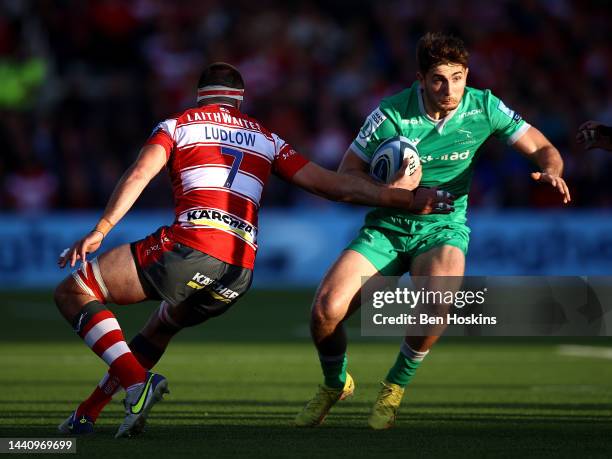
x: 420, y: 77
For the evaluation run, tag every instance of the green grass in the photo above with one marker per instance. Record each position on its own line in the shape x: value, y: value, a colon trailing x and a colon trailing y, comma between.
x: 237, y: 382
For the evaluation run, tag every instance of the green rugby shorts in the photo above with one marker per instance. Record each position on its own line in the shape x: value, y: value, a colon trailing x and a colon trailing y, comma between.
x: 391, y: 252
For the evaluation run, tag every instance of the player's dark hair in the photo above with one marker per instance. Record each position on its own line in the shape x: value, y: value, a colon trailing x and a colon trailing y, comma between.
x: 222, y: 74
x: 435, y: 48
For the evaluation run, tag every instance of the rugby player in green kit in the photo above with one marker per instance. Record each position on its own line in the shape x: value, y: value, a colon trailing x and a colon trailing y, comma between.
x: 448, y: 122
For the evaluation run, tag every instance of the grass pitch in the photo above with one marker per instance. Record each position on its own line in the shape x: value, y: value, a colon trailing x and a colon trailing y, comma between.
x: 237, y: 382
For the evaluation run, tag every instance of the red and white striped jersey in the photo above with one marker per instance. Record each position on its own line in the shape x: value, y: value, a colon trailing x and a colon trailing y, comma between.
x: 219, y: 160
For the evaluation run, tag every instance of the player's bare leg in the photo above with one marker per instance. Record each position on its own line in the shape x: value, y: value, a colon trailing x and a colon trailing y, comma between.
x: 119, y: 277
x: 81, y: 298
x: 336, y: 299
x: 442, y: 261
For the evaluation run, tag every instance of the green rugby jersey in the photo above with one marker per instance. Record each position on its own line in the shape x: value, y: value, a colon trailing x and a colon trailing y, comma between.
x: 447, y: 148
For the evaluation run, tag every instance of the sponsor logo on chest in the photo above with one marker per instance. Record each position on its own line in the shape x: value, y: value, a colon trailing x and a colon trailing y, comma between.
x: 218, y: 219
x: 476, y: 111
x: 412, y: 121
x: 454, y: 156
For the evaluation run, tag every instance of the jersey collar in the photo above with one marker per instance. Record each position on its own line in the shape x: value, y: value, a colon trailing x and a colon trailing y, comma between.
x: 439, y: 124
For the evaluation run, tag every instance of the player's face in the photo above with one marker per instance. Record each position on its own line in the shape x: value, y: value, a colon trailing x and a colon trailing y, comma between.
x: 443, y: 86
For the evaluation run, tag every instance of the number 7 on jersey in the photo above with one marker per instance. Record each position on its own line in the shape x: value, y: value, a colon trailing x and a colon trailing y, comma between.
x: 237, y: 156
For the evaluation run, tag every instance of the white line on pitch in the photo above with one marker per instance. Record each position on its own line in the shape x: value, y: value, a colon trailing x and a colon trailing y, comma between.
x: 586, y: 351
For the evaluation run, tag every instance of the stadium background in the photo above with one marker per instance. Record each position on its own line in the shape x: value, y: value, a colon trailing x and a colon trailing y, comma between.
x: 82, y: 83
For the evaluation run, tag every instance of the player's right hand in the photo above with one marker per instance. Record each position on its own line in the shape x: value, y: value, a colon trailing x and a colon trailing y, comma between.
x: 79, y: 250
x: 432, y: 201
x: 403, y: 180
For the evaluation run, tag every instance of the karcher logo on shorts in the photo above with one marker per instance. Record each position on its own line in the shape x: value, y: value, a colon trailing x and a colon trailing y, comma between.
x: 217, y: 290
x: 215, y: 218
x: 199, y: 281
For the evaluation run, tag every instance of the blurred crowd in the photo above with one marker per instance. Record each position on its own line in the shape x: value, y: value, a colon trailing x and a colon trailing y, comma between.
x: 82, y: 84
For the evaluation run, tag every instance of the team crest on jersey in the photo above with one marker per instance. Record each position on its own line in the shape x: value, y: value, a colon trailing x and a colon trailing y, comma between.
x: 464, y: 137
x: 372, y: 123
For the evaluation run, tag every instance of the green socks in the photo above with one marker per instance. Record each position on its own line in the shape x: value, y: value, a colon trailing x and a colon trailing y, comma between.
x: 334, y: 370
x: 406, y: 364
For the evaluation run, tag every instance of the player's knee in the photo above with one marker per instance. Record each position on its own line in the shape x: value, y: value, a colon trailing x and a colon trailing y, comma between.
x: 63, y: 293
x: 67, y: 299
x: 328, y: 310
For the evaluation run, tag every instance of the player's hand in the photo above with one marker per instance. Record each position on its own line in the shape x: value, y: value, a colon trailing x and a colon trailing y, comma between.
x: 403, y: 180
x: 589, y: 136
x: 555, y: 181
x: 79, y: 250
x: 432, y: 201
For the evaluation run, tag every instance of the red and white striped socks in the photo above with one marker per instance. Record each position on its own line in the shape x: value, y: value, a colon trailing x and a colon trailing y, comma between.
x: 147, y: 355
x: 101, y: 332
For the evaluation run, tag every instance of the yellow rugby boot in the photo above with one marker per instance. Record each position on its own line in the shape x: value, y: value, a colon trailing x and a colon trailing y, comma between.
x: 385, y: 408
x: 315, y: 411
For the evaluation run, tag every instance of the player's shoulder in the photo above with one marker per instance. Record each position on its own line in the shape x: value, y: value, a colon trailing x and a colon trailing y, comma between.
x: 481, y: 96
x: 478, y: 100
x: 170, y: 123
x: 167, y: 125
x: 400, y: 101
x: 396, y: 101
x: 254, y: 122
x: 249, y: 122
x: 477, y: 96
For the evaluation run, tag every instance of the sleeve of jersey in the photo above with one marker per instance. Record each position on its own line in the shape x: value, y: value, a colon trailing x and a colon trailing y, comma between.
x: 376, y: 128
x: 288, y: 162
x: 506, y: 124
x: 163, y: 135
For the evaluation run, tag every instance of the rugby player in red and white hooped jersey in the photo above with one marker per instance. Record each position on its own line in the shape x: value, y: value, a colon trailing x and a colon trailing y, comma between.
x: 219, y: 160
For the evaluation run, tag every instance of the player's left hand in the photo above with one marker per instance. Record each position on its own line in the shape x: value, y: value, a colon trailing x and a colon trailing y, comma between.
x: 403, y: 180
x: 79, y: 250
x: 555, y: 181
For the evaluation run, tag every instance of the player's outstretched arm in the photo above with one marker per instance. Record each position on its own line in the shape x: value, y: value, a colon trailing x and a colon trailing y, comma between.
x: 148, y: 164
x: 345, y: 187
x: 593, y: 134
x: 536, y: 147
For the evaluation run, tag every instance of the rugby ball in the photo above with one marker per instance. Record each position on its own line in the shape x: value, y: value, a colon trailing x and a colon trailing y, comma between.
x: 389, y: 156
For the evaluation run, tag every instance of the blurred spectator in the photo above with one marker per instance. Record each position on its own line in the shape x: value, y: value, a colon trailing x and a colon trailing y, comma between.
x: 30, y: 188
x: 82, y: 83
